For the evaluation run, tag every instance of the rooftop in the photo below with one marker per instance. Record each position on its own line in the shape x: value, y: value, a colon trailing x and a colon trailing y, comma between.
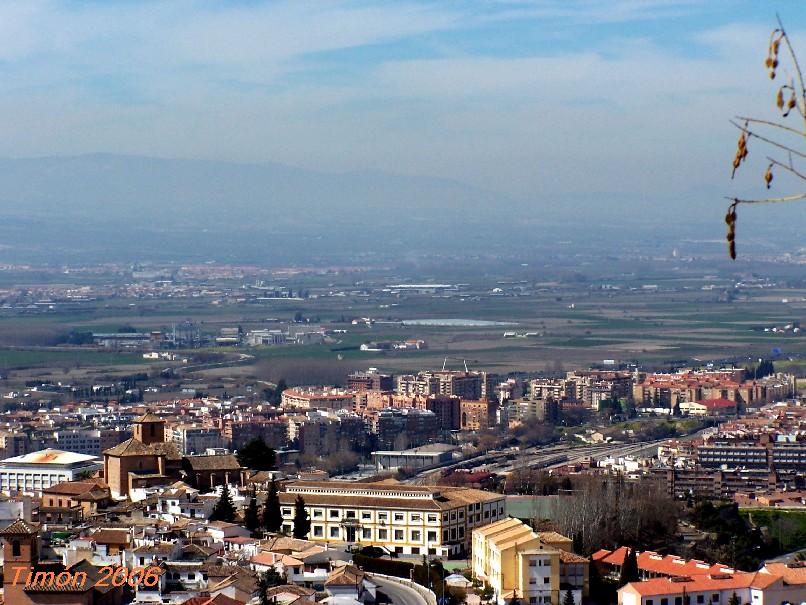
x: 49, y: 456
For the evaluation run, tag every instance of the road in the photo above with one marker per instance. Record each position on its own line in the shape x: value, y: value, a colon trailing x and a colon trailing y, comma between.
x: 397, y: 593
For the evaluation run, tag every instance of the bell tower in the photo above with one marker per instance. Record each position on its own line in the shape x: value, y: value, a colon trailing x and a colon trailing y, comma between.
x: 149, y: 428
x: 20, y: 554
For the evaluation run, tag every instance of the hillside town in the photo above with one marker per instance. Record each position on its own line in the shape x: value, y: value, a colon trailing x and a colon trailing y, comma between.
x: 435, y: 487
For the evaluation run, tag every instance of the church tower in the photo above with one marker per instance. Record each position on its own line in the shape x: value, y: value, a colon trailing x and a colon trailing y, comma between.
x: 20, y: 554
x: 149, y: 429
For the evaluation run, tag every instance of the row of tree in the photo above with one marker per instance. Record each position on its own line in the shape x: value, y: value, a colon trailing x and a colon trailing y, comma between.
x: 268, y: 517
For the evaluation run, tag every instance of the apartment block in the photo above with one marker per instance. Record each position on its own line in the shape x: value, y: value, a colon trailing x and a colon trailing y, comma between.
x: 526, y: 566
x: 404, y: 519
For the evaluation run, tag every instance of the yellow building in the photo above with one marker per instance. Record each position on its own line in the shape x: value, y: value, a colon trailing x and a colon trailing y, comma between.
x: 406, y: 519
x: 530, y: 567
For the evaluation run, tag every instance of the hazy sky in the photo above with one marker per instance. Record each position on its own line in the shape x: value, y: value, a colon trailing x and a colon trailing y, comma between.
x: 525, y: 97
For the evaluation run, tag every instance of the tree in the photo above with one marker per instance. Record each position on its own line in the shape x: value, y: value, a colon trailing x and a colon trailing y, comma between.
x: 256, y: 455
x: 629, y: 569
x: 224, y: 509
x: 272, y: 516
x: 734, y: 599
x: 276, y: 396
x: 251, y: 517
x: 786, y: 141
x: 569, y: 598
x: 302, y: 524
x: 269, y: 579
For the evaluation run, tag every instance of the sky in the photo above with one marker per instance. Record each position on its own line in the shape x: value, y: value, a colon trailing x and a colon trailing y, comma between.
x: 528, y: 98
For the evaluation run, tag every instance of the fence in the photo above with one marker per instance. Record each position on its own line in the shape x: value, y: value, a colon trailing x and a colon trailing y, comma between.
x: 428, y: 595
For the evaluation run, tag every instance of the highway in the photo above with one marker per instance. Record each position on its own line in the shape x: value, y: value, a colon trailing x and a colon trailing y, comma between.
x: 397, y: 593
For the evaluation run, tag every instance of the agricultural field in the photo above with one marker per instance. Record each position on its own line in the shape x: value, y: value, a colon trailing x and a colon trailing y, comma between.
x: 659, y: 315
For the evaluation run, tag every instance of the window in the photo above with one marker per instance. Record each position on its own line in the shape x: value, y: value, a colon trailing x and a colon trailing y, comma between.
x: 432, y: 518
x: 365, y: 515
x: 15, y: 548
x: 715, y: 598
x: 318, y: 531
x: 366, y: 533
x: 664, y: 602
x: 532, y: 600
x: 432, y: 536
x: 416, y: 536
x: 398, y: 534
x: 318, y: 513
x: 333, y: 514
x: 383, y: 534
x: 700, y: 598
x: 649, y: 602
x: 287, y: 511
x: 546, y: 580
x: 532, y: 580
x: 532, y: 563
x: 334, y: 532
x: 382, y: 516
x: 416, y: 517
x: 351, y: 514
x: 399, y: 516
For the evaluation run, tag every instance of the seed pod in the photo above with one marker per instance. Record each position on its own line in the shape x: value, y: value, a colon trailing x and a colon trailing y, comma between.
x: 768, y: 176
x: 772, y: 74
x: 774, y: 63
x: 730, y: 219
x: 779, y: 99
x: 768, y: 62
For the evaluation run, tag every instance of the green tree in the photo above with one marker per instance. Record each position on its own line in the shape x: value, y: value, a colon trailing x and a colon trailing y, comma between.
x: 224, y: 509
x: 569, y: 598
x: 258, y: 456
x: 251, y: 517
x: 269, y: 579
x: 629, y: 569
x: 272, y: 516
x: 277, y: 395
x: 302, y: 523
x: 734, y: 599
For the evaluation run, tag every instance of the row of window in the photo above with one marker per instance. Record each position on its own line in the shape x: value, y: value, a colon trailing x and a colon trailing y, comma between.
x: 336, y: 532
x: 337, y: 514
x: 700, y: 598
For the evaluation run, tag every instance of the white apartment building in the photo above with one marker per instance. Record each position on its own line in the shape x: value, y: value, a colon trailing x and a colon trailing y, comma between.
x: 406, y: 519
x: 80, y: 441
x: 196, y: 439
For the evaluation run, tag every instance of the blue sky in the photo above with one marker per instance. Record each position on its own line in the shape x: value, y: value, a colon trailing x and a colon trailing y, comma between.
x: 526, y: 97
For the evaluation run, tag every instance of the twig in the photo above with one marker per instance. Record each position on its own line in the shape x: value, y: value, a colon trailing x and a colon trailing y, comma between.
x: 750, y: 133
x: 785, y: 167
x: 770, y: 123
x: 769, y: 200
x: 794, y: 62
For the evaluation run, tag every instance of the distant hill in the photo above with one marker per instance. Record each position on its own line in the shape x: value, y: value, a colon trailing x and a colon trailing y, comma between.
x: 116, y: 207
x: 129, y: 204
